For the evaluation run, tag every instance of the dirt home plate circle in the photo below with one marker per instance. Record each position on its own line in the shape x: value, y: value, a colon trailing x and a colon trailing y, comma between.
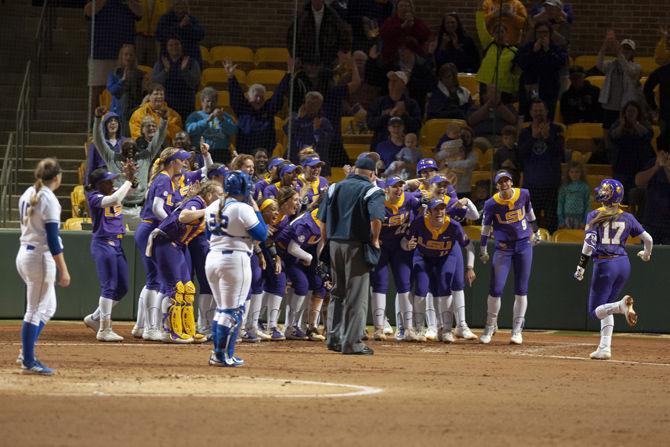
x: 80, y: 383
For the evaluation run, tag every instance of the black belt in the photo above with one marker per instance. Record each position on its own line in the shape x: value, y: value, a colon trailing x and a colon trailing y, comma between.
x: 230, y: 252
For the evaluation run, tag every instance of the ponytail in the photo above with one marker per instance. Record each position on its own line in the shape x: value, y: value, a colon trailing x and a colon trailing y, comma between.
x: 159, y: 164
x: 47, y: 170
x: 605, y: 215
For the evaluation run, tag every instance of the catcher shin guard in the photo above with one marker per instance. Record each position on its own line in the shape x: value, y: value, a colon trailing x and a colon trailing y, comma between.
x: 238, y: 315
x: 188, y: 313
x: 175, y: 328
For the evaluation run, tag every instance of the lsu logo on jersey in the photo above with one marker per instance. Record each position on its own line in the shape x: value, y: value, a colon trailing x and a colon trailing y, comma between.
x: 394, y: 221
x: 511, y: 217
x: 431, y: 244
x: 113, y: 211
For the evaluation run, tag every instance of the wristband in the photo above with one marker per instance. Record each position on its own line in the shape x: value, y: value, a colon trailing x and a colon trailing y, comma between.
x: 583, y: 260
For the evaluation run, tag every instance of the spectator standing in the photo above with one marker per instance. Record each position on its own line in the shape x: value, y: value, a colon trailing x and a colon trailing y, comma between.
x: 321, y: 33
x: 655, y: 177
x: 178, y: 21
x: 126, y: 85
x: 213, y: 124
x: 541, y: 152
x: 449, y: 99
x: 455, y: 46
x: 396, y: 104
x: 506, y: 155
x: 512, y: 16
x: 310, y: 128
x: 461, y: 161
x: 389, y: 149
x: 401, y: 25
x: 181, y: 77
x: 108, y: 131
x: 660, y: 78
x: 662, y: 51
x: 114, y: 26
x: 366, y: 18
x: 351, y: 220
x: 146, y: 45
x: 579, y: 103
x: 574, y: 198
x: 148, y: 131
x: 489, y: 120
x: 153, y: 107
x: 405, y: 160
x: 622, y: 77
x: 630, y: 147
x: 559, y: 16
x: 255, y: 115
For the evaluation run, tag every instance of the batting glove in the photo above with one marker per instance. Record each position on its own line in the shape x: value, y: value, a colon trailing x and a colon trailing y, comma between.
x: 579, y: 274
x: 484, y: 256
x: 536, y: 238
x: 646, y: 257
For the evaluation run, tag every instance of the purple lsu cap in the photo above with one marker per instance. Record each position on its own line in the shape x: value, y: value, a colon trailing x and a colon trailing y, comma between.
x: 179, y: 155
x: 501, y: 175
x: 108, y: 176
x: 392, y: 181
x: 221, y: 171
x: 276, y: 161
x: 434, y: 203
x: 312, y: 162
x: 288, y: 169
x: 439, y: 179
x: 426, y: 163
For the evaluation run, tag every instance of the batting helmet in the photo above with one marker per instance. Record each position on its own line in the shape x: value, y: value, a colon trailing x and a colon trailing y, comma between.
x: 609, y: 192
x: 237, y: 183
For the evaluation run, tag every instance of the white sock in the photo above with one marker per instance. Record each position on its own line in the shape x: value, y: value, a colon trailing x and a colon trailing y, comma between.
x: 303, y: 312
x: 458, y: 308
x: 378, y: 309
x: 96, y: 314
x: 254, y: 311
x: 141, y: 309
x: 154, y: 302
x: 297, y: 309
x: 289, y: 308
x: 520, y: 306
x: 492, y: 309
x: 206, y: 308
x: 606, y: 330
x: 444, y: 305
x: 419, y: 311
x: 274, y: 304
x: 405, y: 310
x: 105, y: 305
x: 398, y: 315
x: 431, y: 318
x: 607, y: 309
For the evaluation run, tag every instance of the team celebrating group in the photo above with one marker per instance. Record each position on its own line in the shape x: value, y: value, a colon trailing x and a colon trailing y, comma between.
x: 251, y: 235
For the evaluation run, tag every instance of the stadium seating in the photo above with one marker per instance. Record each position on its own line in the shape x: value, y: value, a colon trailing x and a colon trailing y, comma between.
x: 218, y: 77
x: 568, y: 236
x: 594, y: 180
x: 353, y: 150
x: 242, y: 56
x: 596, y: 81
x: 583, y: 137
x: 74, y: 223
x: 473, y: 232
x: 558, y: 117
x: 145, y: 68
x: 647, y: 63
x: 469, y: 81
x: 544, y: 234
x: 204, y: 52
x: 265, y: 77
x: 105, y: 99
x: 484, y: 159
x: 78, y: 201
x: 223, y: 100
x: 268, y: 57
x: 587, y: 62
x: 336, y: 174
x: 432, y: 131
x: 480, y: 175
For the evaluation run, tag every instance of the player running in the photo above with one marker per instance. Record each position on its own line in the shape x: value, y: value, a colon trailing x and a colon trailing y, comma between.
x: 607, y: 230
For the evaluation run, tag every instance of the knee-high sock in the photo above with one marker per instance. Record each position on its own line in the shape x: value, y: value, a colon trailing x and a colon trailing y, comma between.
x: 224, y: 327
x: 520, y: 306
x: 251, y: 322
x: 406, y: 310
x: 274, y: 304
x: 378, y: 309
x: 492, y: 309
x: 166, y: 302
x: 29, y: 334
x: 606, y: 330
x: 445, y: 314
x: 141, y: 309
x: 458, y: 308
x: 315, y: 303
x: 617, y: 307
x: 154, y: 308
x: 205, y: 311
x: 105, y: 305
x: 398, y: 314
x: 431, y: 317
x: 419, y: 311
x: 245, y: 312
x: 295, y: 309
x: 303, y: 313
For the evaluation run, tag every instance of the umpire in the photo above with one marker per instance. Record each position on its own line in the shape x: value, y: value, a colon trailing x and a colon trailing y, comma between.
x: 351, y: 220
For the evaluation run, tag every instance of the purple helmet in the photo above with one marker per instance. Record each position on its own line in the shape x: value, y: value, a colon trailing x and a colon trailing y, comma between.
x: 426, y: 163
x: 609, y: 192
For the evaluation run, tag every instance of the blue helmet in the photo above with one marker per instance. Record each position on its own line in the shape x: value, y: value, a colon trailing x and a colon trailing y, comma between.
x: 609, y: 192
x: 237, y: 183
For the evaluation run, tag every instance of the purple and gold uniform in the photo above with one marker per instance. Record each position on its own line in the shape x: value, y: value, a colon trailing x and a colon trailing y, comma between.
x: 314, y: 188
x: 271, y: 191
x: 108, y: 256
x: 611, y: 267
x: 433, y: 268
x: 273, y: 283
x: 306, y: 233
x: 512, y: 233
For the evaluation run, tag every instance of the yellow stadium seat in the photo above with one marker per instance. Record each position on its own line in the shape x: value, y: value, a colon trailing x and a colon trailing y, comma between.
x: 218, y: 77
x: 204, y: 52
x: 265, y: 77
x: 596, y: 81
x: 544, y: 234
x: 268, y: 56
x: 473, y: 232
x: 600, y: 170
x: 583, y: 137
x: 484, y: 159
x: 336, y: 174
x: 223, y: 100
x: 81, y: 172
x: 557, y: 115
x: 78, y: 201
x: 634, y: 240
x: 528, y: 123
x: 353, y: 150
x: 589, y: 61
x: 469, y: 81
x: 432, y: 131
x: 657, y: 133
x: 594, y: 180
x: 480, y: 175
x: 647, y: 63
x: 145, y: 68
x: 278, y: 151
x: 238, y: 55
x: 74, y: 223
x: 282, y: 138
x: 569, y: 236
x: 105, y: 99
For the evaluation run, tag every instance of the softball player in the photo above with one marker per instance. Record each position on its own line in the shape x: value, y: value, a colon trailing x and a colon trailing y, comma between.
x: 288, y: 177
x: 110, y: 260
x: 233, y: 225
x: 509, y: 214
x: 162, y: 197
x: 270, y: 177
x: 40, y: 255
x: 311, y: 180
x: 607, y: 230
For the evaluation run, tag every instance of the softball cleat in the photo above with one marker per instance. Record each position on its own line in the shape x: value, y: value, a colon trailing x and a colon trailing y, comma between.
x: 516, y: 339
x: 137, y: 331
x: 38, y: 368
x: 108, y: 335
x: 485, y: 338
x: 313, y: 335
x: 379, y: 334
x: 276, y: 335
x: 388, y: 329
x: 447, y: 337
x: 601, y: 354
x: 91, y: 323
x: 465, y: 333
x: 431, y: 334
x: 629, y: 312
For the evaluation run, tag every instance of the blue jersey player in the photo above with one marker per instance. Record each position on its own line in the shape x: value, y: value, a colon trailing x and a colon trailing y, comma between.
x: 607, y: 229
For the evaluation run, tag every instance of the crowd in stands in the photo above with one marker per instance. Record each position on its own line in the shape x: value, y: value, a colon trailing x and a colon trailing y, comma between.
x: 380, y: 63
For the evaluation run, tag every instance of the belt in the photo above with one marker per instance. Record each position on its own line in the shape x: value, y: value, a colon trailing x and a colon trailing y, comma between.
x: 608, y: 257
x: 150, y: 221
x: 230, y: 252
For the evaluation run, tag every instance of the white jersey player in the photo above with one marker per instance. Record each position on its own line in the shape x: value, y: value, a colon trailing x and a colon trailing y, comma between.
x: 233, y: 225
x: 40, y: 255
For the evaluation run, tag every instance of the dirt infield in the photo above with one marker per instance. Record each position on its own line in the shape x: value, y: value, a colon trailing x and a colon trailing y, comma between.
x: 298, y: 393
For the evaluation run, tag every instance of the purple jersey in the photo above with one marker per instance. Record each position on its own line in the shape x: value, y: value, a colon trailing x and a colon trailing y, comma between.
x: 436, y: 242
x: 166, y: 189
x: 609, y: 238
x: 315, y: 188
x: 397, y: 218
x: 107, y: 221
x: 259, y: 187
x: 182, y: 233
x: 508, y: 217
x: 271, y: 191
x: 306, y: 231
x: 282, y: 234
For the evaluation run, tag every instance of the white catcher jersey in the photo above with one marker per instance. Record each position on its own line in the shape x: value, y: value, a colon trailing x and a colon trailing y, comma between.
x: 237, y: 218
x: 47, y: 210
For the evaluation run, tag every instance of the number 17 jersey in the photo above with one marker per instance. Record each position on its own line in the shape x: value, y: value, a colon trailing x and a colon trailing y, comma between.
x: 609, y: 238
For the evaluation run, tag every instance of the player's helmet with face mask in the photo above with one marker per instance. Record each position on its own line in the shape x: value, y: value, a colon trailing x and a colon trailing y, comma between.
x: 237, y: 183
x: 609, y: 192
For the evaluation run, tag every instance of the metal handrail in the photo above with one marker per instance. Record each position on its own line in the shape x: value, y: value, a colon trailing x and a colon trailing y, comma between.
x: 5, y: 181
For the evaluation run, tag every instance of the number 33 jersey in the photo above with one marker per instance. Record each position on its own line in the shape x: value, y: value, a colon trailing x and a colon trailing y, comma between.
x: 231, y: 232
x: 609, y: 238
x: 509, y: 217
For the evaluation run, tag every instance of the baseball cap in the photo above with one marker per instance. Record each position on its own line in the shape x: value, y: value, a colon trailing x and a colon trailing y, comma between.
x: 374, y: 156
x: 312, y: 162
x: 366, y: 163
x: 105, y: 177
x: 434, y: 203
x: 439, y: 179
x: 629, y: 42
x: 179, y: 155
x: 288, y: 169
x: 556, y: 3
x: 396, y: 121
x: 399, y: 75
x: 426, y: 163
x: 393, y: 180
x: 502, y: 174
x: 218, y: 171
x: 276, y: 161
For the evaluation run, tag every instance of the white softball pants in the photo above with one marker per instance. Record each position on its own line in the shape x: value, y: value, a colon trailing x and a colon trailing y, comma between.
x: 38, y: 271
x: 229, y: 276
